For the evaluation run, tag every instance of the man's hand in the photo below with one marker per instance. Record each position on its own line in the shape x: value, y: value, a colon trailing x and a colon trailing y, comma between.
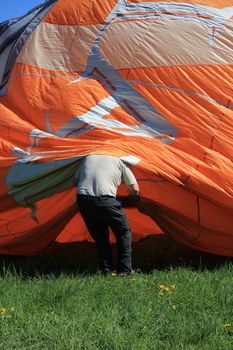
x: 129, y: 201
x: 134, y: 190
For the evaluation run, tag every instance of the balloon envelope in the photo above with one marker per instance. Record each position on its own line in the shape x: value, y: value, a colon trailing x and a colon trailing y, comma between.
x: 147, y: 81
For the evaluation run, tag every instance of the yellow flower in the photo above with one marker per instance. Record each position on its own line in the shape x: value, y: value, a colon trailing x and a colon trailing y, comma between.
x: 2, y: 311
x: 114, y: 274
x: 166, y: 289
x: 174, y: 307
x: 162, y: 286
x: 173, y: 286
x: 227, y: 325
x: 12, y: 309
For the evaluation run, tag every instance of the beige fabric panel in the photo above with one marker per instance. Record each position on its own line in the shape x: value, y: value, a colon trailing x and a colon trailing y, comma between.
x: 131, y: 44
x: 59, y: 47
x: 165, y: 43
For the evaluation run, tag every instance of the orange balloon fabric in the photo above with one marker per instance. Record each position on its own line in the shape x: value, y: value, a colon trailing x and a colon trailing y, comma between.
x: 147, y: 81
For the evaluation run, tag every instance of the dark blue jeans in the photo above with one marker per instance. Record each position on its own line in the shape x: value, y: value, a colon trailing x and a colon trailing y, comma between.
x: 100, y: 214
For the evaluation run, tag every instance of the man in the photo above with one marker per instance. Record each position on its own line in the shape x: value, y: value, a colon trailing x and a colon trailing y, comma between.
x: 97, y: 180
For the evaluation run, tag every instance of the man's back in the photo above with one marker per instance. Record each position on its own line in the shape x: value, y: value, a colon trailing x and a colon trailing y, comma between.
x: 97, y: 179
x: 101, y: 175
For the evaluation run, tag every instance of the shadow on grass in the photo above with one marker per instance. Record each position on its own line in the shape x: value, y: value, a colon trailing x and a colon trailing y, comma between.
x: 151, y: 253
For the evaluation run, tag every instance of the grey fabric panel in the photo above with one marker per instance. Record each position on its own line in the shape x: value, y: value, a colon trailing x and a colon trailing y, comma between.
x: 11, y: 30
x: 3, y: 58
x: 6, y: 24
x: 16, y: 27
x: 14, y: 35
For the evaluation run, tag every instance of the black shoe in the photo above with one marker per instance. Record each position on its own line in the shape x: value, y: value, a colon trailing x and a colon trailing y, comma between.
x: 106, y: 272
x: 126, y: 273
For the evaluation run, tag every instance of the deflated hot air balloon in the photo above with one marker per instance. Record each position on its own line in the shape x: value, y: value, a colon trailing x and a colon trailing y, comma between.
x: 147, y: 81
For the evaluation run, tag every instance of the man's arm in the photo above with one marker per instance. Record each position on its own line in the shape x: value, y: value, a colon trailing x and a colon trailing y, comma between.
x: 132, y: 185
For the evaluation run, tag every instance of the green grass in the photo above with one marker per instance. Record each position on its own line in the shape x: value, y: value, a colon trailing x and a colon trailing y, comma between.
x: 68, y: 311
